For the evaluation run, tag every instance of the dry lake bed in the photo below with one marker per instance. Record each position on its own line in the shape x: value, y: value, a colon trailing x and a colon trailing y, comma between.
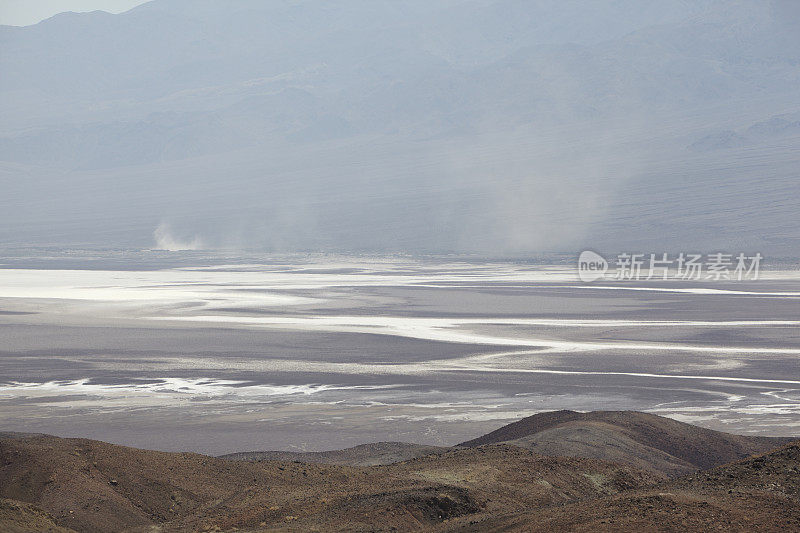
x: 187, y: 351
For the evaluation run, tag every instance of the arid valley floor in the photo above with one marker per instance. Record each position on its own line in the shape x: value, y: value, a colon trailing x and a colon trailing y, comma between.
x: 329, y: 393
x: 191, y: 352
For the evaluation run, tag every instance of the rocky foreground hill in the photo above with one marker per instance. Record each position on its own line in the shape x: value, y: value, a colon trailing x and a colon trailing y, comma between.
x: 548, y: 472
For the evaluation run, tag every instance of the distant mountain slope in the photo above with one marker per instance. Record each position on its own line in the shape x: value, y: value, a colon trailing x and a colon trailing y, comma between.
x: 49, y: 483
x: 92, y: 486
x: 378, y: 453
x: 638, y: 439
x: 481, y: 126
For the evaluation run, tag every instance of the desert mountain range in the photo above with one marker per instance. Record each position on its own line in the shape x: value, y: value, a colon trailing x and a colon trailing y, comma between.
x: 562, y: 470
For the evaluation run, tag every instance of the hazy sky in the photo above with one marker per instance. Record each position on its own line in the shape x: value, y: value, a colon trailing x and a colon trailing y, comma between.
x: 25, y: 12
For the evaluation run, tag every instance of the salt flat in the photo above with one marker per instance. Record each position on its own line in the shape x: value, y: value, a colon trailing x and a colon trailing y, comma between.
x: 317, y: 352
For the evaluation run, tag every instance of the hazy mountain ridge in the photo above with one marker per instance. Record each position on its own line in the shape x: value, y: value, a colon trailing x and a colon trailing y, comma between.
x: 299, y: 125
x: 786, y: 126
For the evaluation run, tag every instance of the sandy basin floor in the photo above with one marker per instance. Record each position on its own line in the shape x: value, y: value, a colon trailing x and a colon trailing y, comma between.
x: 330, y: 352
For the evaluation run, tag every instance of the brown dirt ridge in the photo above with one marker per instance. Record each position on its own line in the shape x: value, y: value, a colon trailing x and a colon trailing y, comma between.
x: 498, y: 482
x: 639, y: 439
x: 378, y: 453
